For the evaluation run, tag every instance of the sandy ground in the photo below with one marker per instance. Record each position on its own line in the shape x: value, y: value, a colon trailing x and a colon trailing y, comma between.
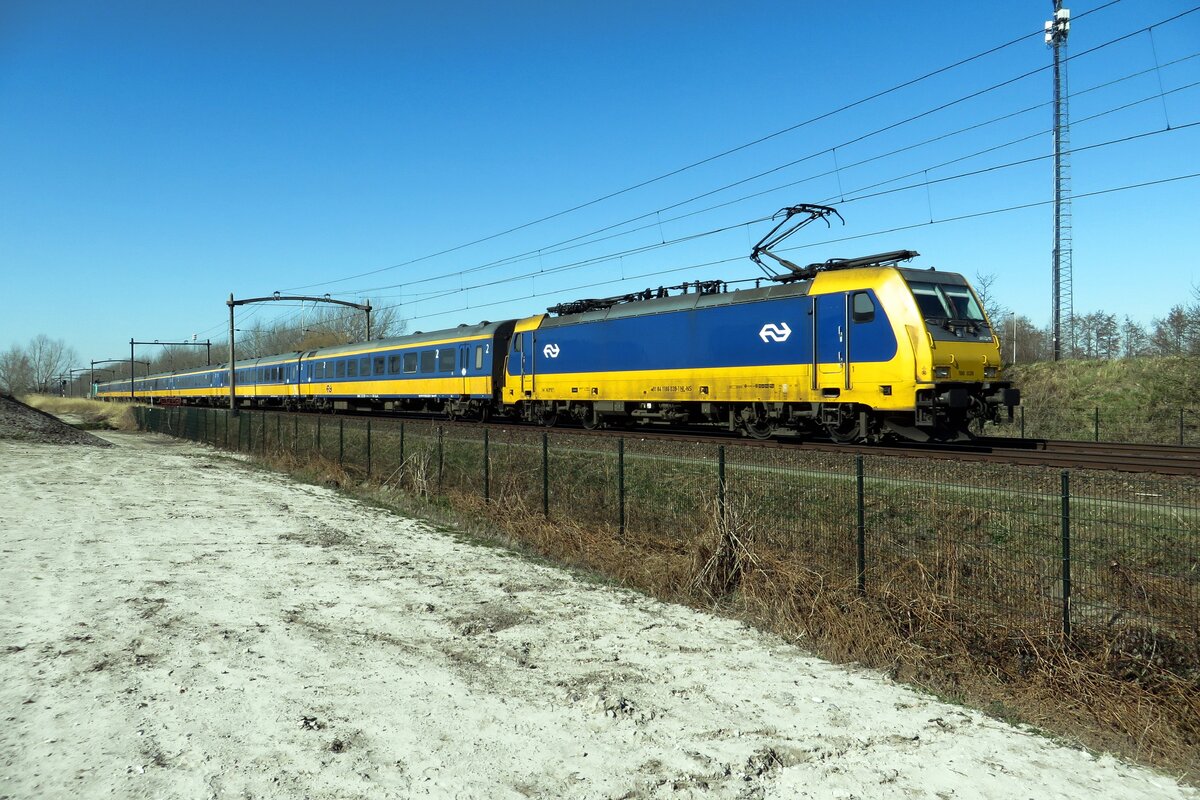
x: 174, y: 624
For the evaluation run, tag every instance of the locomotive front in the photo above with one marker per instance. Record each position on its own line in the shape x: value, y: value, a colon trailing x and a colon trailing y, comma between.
x: 958, y: 368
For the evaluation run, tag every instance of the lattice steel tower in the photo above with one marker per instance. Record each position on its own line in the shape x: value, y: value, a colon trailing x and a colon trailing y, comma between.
x: 1063, y: 310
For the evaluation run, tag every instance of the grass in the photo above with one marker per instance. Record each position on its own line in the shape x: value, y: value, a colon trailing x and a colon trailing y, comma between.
x: 83, y: 413
x: 963, y: 595
x: 1139, y: 399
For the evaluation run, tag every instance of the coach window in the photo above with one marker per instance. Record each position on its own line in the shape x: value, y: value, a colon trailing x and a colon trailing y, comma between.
x: 380, y: 365
x: 393, y: 365
x: 341, y: 369
x: 410, y: 362
x: 862, y: 307
x: 428, y: 361
x: 446, y: 360
x: 352, y: 368
x: 364, y: 367
x: 478, y: 356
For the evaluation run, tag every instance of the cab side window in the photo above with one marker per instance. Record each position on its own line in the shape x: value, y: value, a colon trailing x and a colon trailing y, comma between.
x: 862, y: 308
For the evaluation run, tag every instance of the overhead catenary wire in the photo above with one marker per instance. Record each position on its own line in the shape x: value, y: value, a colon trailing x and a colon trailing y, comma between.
x: 1041, y: 132
x: 816, y: 154
x: 879, y: 232
x: 723, y: 154
x: 722, y: 229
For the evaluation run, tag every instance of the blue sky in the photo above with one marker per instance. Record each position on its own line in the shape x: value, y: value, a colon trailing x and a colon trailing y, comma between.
x: 155, y: 157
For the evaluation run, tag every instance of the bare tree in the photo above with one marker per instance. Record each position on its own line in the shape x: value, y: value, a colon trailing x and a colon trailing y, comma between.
x: 1135, y: 341
x: 1169, y: 335
x: 16, y: 374
x: 48, y: 358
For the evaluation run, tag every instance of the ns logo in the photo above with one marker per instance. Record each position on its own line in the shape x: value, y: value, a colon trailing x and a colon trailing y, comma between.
x: 550, y: 351
x: 775, y: 333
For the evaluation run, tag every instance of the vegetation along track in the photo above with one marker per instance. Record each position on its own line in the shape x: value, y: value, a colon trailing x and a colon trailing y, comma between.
x: 1140, y: 458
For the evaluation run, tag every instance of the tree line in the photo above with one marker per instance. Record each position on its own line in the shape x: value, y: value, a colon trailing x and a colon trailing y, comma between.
x: 1095, y: 335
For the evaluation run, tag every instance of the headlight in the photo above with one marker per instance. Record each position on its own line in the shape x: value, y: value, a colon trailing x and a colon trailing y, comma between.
x: 941, y: 372
x: 989, y: 372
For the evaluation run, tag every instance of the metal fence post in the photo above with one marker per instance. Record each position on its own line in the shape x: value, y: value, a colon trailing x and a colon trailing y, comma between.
x: 225, y: 429
x: 621, y: 484
x: 721, y: 482
x: 368, y: 447
x: 295, y: 431
x: 441, y: 456
x: 1066, y: 553
x: 1022, y: 421
x: 545, y: 474
x: 860, y: 502
x: 1096, y: 418
x: 487, y: 484
x: 1181, y: 427
x: 341, y: 440
x: 278, y: 431
x: 401, y: 444
x: 318, y: 435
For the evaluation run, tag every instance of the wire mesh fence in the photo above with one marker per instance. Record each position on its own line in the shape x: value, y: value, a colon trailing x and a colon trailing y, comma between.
x: 1038, y: 549
x: 1149, y: 424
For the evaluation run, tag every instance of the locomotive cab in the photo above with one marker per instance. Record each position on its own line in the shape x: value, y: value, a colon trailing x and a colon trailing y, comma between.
x: 957, y: 365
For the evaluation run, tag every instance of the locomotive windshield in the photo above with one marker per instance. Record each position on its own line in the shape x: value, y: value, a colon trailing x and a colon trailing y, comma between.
x: 946, y: 301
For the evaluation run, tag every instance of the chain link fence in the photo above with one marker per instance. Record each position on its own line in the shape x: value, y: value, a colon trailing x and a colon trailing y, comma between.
x: 1037, y: 549
x: 1149, y: 425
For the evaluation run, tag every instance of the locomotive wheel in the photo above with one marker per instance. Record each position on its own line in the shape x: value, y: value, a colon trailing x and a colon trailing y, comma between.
x: 547, y: 416
x: 844, y: 433
x: 756, y: 425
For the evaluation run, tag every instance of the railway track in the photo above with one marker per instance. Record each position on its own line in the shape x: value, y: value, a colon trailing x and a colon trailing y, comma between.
x: 1111, y: 456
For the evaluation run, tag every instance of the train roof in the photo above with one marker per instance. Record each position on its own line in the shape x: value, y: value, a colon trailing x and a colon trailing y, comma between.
x: 477, y: 331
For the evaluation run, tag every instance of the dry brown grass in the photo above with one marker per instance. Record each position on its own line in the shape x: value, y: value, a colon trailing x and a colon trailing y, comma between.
x: 84, y: 413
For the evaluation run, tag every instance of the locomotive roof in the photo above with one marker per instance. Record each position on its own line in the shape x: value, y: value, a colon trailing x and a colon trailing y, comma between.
x: 683, y: 302
x: 931, y: 274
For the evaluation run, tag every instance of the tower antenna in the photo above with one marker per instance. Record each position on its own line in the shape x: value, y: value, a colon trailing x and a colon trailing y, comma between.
x: 1063, y: 309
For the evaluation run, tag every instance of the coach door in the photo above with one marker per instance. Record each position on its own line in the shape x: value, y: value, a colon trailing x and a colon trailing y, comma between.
x: 830, y: 324
x: 464, y: 363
